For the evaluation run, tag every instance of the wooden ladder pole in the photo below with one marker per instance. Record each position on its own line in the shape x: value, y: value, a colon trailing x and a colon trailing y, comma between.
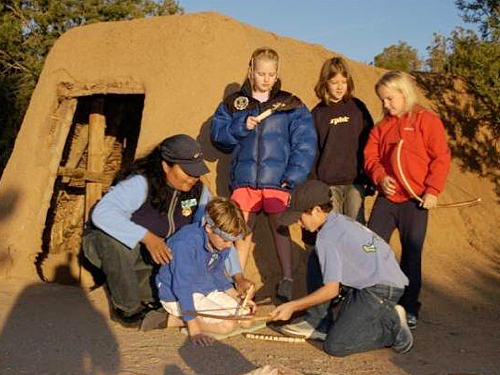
x: 97, y: 126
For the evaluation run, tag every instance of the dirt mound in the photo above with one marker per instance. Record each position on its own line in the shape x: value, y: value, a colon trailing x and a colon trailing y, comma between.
x: 177, y: 69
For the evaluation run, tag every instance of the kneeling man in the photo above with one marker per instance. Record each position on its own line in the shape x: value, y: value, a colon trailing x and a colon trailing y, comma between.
x: 350, y: 255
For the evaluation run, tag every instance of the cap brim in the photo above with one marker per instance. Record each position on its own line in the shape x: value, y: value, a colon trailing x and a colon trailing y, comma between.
x: 289, y: 217
x: 195, y: 169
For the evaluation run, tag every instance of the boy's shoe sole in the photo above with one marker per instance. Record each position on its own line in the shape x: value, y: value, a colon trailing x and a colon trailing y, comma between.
x: 301, y: 330
x: 404, y: 339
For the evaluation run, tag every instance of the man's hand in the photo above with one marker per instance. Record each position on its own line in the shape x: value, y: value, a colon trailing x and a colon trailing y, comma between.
x: 388, y: 185
x: 284, y: 311
x: 243, y: 285
x: 429, y: 201
x: 252, y: 306
x: 160, y: 252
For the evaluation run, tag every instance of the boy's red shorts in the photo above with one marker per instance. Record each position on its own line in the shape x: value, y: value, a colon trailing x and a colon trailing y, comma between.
x: 272, y: 201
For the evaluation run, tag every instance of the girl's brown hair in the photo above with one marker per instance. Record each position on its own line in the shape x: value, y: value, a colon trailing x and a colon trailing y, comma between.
x: 330, y: 68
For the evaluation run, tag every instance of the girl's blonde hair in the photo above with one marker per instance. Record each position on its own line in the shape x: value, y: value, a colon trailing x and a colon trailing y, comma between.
x: 402, y: 82
x: 262, y: 53
x: 227, y: 216
x: 330, y: 68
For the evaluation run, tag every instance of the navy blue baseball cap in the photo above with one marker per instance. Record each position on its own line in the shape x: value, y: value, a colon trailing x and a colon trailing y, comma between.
x: 183, y: 150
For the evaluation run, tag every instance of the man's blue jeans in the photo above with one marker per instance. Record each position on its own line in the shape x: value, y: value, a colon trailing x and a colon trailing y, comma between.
x: 366, y: 320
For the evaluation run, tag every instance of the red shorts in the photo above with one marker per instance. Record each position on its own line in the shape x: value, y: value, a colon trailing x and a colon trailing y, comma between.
x: 272, y: 201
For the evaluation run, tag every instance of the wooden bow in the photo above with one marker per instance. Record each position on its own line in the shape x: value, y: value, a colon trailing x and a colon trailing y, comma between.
x: 410, y: 190
x: 248, y: 317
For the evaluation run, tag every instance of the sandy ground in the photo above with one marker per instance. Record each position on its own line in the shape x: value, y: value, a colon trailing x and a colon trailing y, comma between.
x: 56, y: 329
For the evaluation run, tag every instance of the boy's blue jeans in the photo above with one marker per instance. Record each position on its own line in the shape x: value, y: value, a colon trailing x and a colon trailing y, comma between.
x: 366, y: 320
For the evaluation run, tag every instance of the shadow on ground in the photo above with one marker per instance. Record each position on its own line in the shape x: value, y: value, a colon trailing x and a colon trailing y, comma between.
x: 220, y: 359
x: 50, y: 330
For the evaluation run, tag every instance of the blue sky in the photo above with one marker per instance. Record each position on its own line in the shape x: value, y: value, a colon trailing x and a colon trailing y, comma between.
x: 359, y: 29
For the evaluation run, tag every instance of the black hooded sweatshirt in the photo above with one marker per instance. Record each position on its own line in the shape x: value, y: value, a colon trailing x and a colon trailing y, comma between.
x: 343, y: 130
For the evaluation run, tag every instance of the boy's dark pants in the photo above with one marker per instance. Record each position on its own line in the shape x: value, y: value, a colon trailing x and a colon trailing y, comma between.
x: 366, y: 320
x: 128, y: 272
x: 411, y: 222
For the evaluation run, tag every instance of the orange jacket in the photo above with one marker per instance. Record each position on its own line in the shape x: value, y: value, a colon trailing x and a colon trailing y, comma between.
x: 425, y: 157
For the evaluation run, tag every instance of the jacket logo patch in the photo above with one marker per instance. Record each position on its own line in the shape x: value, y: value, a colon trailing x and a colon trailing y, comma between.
x: 370, y: 247
x: 340, y: 120
x: 409, y: 129
x: 187, y: 206
x: 241, y: 103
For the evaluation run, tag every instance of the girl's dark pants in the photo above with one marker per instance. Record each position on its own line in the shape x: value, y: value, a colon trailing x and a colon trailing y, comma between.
x: 411, y: 222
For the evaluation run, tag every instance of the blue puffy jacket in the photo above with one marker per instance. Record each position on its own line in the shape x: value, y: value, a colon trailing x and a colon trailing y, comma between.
x: 280, y: 150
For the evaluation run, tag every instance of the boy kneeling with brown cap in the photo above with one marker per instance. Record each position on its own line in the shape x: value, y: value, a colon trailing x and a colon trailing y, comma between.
x: 351, y: 255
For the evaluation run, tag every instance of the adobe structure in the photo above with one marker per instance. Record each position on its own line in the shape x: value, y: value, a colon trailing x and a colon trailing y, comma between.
x: 111, y: 91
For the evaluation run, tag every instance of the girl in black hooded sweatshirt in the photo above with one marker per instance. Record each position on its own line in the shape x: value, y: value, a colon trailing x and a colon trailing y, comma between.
x: 343, y: 124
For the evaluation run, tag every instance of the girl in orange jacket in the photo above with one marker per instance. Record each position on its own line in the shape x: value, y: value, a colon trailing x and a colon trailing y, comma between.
x: 406, y: 155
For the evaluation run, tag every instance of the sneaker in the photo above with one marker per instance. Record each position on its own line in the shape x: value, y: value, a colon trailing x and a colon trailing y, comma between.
x: 411, y: 320
x: 404, y: 339
x: 301, y: 329
x: 284, y: 290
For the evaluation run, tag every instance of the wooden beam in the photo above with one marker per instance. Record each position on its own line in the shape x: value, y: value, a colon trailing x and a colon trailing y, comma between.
x: 72, y: 90
x: 78, y: 146
x: 82, y: 174
x: 97, y: 126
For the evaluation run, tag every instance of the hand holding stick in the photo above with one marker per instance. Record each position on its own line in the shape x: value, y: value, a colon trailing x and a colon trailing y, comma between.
x: 286, y: 104
x: 247, y: 296
x: 247, y: 300
x: 268, y: 112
